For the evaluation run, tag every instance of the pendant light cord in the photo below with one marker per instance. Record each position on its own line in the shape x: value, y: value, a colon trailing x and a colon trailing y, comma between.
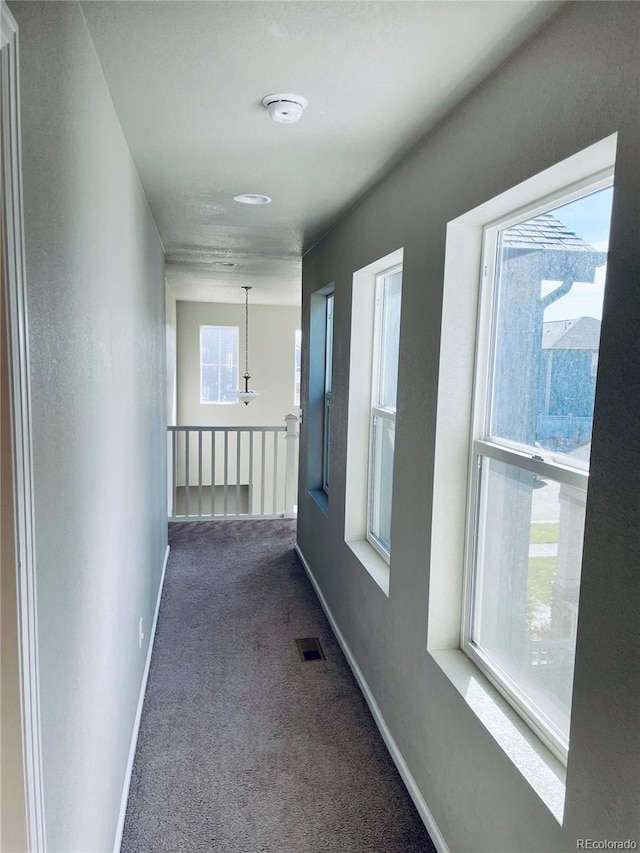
x: 246, y: 396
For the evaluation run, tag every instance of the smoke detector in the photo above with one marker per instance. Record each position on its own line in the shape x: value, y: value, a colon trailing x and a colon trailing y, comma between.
x: 285, y: 109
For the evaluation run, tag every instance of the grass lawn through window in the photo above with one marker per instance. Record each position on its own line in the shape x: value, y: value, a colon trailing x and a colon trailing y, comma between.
x: 540, y: 583
x: 544, y: 532
x: 540, y: 578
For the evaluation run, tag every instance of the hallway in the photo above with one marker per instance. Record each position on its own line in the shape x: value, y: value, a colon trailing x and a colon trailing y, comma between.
x: 145, y: 188
x: 243, y: 746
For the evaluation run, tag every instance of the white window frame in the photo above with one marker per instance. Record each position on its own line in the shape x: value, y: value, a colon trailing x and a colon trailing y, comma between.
x: 203, y: 365
x: 358, y: 403
x: 297, y: 371
x: 377, y: 411
x: 328, y: 382
x: 543, y: 463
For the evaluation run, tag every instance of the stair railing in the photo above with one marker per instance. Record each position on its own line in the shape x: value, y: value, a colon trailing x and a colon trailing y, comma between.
x: 222, y: 472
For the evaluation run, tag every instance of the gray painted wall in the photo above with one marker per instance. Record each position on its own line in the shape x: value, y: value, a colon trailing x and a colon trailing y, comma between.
x: 574, y: 84
x: 95, y: 279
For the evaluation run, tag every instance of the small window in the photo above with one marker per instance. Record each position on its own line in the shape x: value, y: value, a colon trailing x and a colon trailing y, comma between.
x: 219, y: 364
x: 541, y: 305
x: 317, y: 414
x: 297, y: 356
x: 328, y: 373
x: 383, y: 408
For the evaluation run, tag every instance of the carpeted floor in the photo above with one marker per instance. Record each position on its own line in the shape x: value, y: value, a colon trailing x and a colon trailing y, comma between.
x: 243, y: 747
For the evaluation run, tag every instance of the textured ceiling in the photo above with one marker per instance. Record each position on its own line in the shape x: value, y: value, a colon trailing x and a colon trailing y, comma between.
x: 188, y: 78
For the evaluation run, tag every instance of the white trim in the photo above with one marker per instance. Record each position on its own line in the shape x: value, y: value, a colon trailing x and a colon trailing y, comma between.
x: 21, y: 431
x: 594, y: 180
x: 356, y: 516
x: 136, y: 723
x: 373, y: 487
x: 534, y: 463
x: 459, y: 333
x: 392, y: 746
x: 376, y: 409
x: 297, y: 370
x: 483, y: 445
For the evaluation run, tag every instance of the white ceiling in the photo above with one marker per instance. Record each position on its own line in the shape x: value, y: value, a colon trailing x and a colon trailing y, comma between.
x: 188, y: 78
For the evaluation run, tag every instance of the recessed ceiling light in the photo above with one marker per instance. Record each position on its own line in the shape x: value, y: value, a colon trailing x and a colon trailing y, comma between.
x: 252, y: 198
x: 225, y: 264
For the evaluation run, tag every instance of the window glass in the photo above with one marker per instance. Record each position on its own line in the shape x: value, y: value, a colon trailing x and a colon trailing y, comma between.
x: 383, y: 409
x: 328, y: 379
x: 297, y: 367
x: 219, y: 364
x: 389, y: 340
x: 328, y: 359
x: 527, y: 583
x: 383, y: 440
x: 544, y: 282
x: 550, y: 286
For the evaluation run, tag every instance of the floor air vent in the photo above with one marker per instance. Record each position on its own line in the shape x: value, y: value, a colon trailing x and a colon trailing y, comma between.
x: 309, y: 648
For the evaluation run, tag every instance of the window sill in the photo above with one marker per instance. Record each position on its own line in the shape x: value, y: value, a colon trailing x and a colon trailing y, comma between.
x: 372, y: 562
x: 541, y: 769
x: 321, y: 498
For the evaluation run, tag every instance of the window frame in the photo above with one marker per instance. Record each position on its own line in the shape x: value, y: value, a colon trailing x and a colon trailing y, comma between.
x: 218, y: 402
x: 543, y: 463
x: 328, y: 382
x: 376, y: 411
x: 297, y: 370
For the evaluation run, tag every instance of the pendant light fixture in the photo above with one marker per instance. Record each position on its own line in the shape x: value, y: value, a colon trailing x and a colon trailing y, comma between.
x: 245, y: 395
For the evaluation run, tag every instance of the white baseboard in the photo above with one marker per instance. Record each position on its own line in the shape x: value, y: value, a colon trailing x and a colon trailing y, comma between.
x: 392, y: 746
x: 136, y: 723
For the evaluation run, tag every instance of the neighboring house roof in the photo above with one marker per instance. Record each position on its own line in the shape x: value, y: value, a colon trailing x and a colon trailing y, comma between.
x: 580, y: 334
x: 544, y: 232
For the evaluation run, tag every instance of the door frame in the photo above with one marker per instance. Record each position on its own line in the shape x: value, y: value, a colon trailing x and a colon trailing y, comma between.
x: 15, y: 283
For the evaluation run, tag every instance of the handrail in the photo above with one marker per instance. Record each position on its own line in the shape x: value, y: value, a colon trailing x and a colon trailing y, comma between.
x: 218, y: 428
x: 221, y: 472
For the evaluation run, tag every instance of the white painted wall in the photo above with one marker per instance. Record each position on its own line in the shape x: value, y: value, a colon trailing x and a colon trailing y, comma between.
x: 95, y: 283
x: 271, y: 365
x: 576, y: 83
x: 271, y: 362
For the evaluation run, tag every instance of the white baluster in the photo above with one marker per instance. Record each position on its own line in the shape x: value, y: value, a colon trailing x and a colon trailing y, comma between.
x: 290, y: 484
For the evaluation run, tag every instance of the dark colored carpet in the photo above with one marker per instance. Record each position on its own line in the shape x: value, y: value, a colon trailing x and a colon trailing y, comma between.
x: 243, y: 747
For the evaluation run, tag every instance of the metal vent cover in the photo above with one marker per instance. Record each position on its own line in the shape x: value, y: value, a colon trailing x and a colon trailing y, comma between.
x: 309, y: 649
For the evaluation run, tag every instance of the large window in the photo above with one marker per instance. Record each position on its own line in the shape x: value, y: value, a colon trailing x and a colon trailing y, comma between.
x: 542, y: 291
x: 297, y: 366
x: 383, y: 408
x: 219, y: 364
x: 328, y: 373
